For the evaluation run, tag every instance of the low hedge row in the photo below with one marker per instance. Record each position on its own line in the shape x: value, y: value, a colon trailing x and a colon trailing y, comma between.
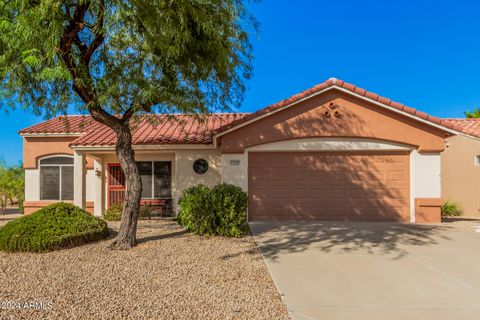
x: 114, y: 213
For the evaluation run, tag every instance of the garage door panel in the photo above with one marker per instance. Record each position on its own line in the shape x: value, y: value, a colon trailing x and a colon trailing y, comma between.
x: 281, y: 177
x: 329, y: 186
x: 281, y: 193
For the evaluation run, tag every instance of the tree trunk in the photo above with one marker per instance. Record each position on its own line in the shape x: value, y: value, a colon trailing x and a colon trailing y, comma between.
x: 126, y: 237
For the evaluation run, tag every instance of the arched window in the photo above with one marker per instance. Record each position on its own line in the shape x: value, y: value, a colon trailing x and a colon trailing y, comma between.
x: 56, y: 178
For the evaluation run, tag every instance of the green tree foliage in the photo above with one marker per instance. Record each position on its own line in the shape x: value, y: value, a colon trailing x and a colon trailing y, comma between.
x: 12, y: 185
x: 472, y: 114
x: 143, y: 55
x: 116, y: 59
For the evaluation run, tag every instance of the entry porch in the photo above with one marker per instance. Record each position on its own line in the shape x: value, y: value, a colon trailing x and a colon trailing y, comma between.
x: 164, y: 173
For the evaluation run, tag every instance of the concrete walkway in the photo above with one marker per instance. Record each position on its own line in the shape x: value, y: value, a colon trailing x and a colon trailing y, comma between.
x: 374, y: 270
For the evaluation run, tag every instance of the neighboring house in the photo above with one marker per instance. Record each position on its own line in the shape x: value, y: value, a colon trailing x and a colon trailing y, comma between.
x: 461, y: 166
x: 333, y: 152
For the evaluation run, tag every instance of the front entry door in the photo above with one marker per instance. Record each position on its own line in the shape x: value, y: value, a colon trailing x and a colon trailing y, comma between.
x: 115, y: 184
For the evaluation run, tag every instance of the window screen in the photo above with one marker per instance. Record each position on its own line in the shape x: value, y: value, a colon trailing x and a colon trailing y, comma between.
x: 57, y: 160
x: 67, y: 182
x: 162, y: 171
x: 146, y: 175
x: 56, y: 178
x: 50, y: 183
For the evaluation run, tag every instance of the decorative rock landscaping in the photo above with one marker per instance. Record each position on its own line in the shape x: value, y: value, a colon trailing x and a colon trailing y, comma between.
x: 171, y: 274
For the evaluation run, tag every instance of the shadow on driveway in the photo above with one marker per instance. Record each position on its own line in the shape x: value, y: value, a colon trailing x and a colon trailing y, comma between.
x: 276, y: 238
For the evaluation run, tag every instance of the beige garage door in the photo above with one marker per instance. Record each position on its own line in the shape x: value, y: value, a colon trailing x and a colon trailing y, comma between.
x: 353, y: 186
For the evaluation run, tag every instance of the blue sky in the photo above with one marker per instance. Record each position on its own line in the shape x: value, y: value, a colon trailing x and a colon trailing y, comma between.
x: 425, y: 54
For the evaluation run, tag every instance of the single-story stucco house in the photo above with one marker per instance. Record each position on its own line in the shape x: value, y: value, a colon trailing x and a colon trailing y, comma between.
x: 332, y: 152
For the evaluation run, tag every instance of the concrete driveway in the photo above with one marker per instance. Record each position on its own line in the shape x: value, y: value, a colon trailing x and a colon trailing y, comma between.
x: 374, y: 270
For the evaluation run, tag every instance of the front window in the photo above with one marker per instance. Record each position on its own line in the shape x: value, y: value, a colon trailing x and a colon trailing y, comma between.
x: 156, y: 179
x: 56, y: 178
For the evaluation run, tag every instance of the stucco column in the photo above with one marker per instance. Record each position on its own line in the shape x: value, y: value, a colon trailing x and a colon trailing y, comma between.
x: 79, y: 174
x: 99, y: 189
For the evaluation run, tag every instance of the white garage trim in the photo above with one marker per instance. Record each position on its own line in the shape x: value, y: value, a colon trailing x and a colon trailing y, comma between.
x: 330, y: 144
x: 425, y: 178
x: 427, y: 168
x: 412, y: 187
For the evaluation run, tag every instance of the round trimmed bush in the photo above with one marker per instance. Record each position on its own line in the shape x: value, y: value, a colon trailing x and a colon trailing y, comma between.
x: 57, y: 226
x: 220, y: 210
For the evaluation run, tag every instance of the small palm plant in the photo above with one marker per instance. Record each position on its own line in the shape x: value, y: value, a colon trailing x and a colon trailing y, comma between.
x: 451, y: 209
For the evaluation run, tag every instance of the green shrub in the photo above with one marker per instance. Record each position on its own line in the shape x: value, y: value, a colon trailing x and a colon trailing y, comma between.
x: 146, y: 212
x: 114, y: 213
x: 451, y: 209
x: 60, y: 225
x: 196, y: 213
x: 220, y: 210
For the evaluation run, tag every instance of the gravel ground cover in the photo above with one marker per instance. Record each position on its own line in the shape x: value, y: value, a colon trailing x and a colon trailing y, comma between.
x: 171, y: 274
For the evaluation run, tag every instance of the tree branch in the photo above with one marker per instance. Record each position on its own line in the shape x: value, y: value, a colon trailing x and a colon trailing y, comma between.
x: 82, y: 46
x: 127, y: 115
x: 82, y: 82
x: 69, y: 36
x: 99, y: 36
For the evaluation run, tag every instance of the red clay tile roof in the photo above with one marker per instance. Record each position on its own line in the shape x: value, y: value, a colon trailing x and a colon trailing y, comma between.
x: 332, y: 82
x: 61, y: 125
x: 187, y: 129
x: 149, y: 130
x: 466, y: 125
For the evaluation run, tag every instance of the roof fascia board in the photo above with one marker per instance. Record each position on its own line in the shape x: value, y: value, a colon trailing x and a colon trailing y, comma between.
x: 147, y: 147
x: 56, y: 135
x: 468, y: 136
x: 347, y: 92
x: 270, y: 113
x: 411, y: 116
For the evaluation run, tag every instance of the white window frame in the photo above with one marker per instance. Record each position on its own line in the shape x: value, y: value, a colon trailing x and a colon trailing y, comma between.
x: 476, y: 160
x: 40, y: 165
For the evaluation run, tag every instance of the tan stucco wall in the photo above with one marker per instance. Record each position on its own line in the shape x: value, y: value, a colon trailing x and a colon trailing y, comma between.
x: 38, y: 147
x: 186, y: 177
x: 460, y: 175
x: 351, y: 117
